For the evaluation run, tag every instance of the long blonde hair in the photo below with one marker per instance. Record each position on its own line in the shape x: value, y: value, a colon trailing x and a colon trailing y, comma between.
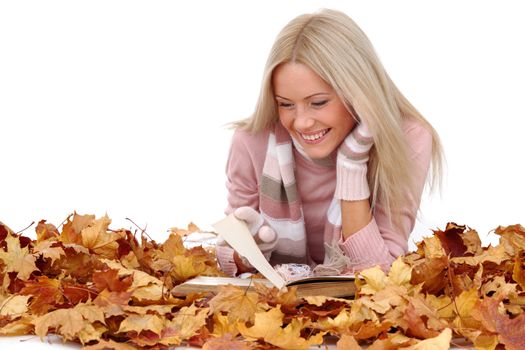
x: 332, y: 44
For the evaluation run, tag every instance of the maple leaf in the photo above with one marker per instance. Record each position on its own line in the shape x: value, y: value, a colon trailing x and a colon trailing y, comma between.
x: 18, y: 259
x: 240, y: 304
x: 109, y: 345
x: 184, y: 325
x: 14, y: 306
x: 226, y: 342
x: 463, y: 306
x: 509, y: 331
x: 99, y: 240
x: 49, y: 250
x: 46, y: 231
x: 223, y: 326
x: 72, y: 228
x: 46, y: 294
x: 19, y: 326
x: 518, y: 273
x: 268, y: 326
x: 440, y: 342
x: 66, y: 322
x: 512, y: 238
x: 347, y: 342
x: 451, y: 240
x: 109, y: 279
x: 422, y: 320
x: 139, y: 323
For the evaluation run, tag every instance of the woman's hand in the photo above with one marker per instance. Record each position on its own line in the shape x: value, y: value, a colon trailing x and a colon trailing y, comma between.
x: 263, y: 234
x: 352, y: 165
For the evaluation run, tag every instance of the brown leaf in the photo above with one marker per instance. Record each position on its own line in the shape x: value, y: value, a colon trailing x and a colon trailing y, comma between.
x: 451, y: 240
x: 510, y: 331
x: 45, y: 231
x: 240, y: 304
x: 66, y: 322
x: 72, y: 228
x: 18, y: 259
x: 99, y: 240
x: 109, y: 345
x: 512, y: 238
x: 49, y: 250
x: 518, y: 273
x: 109, y: 279
x: 46, y: 292
x: 347, y: 342
x: 226, y: 342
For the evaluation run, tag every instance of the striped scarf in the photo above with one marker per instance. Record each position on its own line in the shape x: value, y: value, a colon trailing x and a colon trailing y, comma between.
x: 280, y: 205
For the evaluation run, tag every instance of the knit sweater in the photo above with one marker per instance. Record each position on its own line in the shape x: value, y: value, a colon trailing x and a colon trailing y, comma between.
x: 376, y: 243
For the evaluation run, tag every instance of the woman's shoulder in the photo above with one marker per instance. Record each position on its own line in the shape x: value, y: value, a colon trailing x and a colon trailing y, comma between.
x: 418, y: 135
x: 252, y: 142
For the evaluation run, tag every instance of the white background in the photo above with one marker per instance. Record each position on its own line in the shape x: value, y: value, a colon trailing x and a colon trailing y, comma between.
x: 121, y: 106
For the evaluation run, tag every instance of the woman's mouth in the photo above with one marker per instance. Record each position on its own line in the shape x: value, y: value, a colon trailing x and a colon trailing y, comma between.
x: 312, y: 138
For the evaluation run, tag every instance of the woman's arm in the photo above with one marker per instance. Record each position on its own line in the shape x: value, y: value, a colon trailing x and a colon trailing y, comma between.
x: 379, y: 242
x: 355, y: 215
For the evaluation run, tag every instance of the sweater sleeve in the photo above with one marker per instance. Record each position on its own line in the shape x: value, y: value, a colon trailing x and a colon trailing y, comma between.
x: 379, y: 243
x: 241, y: 184
x: 242, y: 168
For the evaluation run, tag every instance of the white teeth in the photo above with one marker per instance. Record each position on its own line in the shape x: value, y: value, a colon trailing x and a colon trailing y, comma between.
x: 313, y: 137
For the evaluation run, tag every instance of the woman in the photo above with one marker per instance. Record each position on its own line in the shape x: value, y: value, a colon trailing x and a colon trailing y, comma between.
x: 330, y: 168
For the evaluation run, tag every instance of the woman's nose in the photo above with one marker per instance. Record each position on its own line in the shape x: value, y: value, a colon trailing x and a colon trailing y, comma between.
x: 303, y: 121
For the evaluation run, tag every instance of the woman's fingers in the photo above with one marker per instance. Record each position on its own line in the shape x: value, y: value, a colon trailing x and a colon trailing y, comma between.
x: 251, y: 216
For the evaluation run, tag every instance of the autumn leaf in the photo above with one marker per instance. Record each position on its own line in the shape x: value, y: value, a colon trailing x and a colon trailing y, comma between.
x: 510, y: 331
x: 14, y: 306
x: 49, y: 250
x: 512, y: 238
x: 109, y: 279
x: 347, y: 342
x: 184, y: 325
x: 440, y: 342
x: 46, y: 293
x: 139, y: 323
x: 46, y: 231
x: 240, y: 304
x: 226, y: 342
x: 71, y: 231
x: 268, y: 326
x: 109, y: 345
x: 99, y: 240
x: 18, y: 259
x: 66, y: 322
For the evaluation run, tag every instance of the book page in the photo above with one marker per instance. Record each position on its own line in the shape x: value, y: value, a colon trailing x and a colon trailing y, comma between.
x: 236, y: 233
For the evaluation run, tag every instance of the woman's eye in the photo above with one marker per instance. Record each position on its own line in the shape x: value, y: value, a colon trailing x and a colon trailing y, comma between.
x: 285, y: 105
x: 319, y: 103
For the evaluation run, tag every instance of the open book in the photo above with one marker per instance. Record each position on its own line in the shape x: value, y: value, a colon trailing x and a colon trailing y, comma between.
x: 330, y: 286
x: 236, y: 233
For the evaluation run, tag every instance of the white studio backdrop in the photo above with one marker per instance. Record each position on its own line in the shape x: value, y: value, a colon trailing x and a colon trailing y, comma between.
x: 120, y: 107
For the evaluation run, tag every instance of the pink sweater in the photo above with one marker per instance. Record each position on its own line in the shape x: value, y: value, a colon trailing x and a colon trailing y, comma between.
x: 376, y: 243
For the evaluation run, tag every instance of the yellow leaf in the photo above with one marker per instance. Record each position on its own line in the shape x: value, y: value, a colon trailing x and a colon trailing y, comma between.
x: 66, y: 322
x: 46, y: 249
x: 375, y: 279
x: 99, y: 240
x: 400, y: 273
x: 347, y: 342
x: 463, y: 306
x: 267, y: 326
x: 240, y: 304
x: 222, y: 326
x: 20, y: 326
x: 441, y: 342
x: 184, y: 325
x: 139, y: 323
x: 14, y: 305
x: 18, y: 259
x: 91, y: 332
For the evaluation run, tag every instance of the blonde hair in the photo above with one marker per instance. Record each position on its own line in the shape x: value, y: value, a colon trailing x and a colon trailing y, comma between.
x: 331, y: 44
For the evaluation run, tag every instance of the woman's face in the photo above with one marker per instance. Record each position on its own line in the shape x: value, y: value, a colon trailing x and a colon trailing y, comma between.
x: 310, y: 109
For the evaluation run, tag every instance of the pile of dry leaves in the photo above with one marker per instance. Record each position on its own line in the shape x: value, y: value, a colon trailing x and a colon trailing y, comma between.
x: 108, y: 290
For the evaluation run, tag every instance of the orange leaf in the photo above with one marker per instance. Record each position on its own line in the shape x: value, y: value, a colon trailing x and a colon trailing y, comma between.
x: 18, y: 259
x: 240, y: 304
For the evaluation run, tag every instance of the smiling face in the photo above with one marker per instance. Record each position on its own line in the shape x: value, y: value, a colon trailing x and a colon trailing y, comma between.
x: 310, y: 109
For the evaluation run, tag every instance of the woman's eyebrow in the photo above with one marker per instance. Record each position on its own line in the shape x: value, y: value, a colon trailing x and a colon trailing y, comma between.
x: 307, y: 97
